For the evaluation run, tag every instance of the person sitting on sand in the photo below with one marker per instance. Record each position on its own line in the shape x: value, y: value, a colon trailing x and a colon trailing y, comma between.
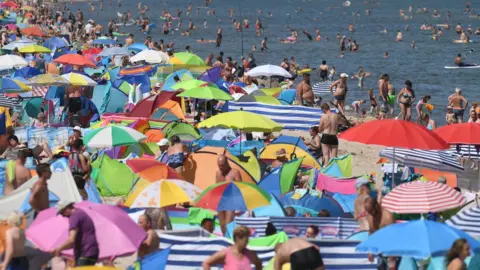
x: 314, y: 144
x: 237, y: 256
x: 280, y: 159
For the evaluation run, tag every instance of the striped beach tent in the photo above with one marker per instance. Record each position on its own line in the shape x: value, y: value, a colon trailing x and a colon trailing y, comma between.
x: 188, y: 253
x: 321, y: 88
x: 465, y: 150
x: 436, y: 160
x: 330, y: 227
x: 291, y: 117
x: 467, y: 220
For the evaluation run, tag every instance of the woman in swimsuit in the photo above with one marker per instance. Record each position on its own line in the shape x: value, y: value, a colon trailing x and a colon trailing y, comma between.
x: 428, y: 122
x: 373, y: 102
x: 405, y: 99
x: 314, y: 145
x: 176, y: 154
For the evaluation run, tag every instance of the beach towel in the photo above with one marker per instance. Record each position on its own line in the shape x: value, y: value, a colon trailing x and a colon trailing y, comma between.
x: 196, y: 215
x: 11, y: 170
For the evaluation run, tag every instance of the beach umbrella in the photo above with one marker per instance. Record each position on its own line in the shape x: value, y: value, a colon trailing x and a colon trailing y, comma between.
x: 186, y: 58
x: 420, y: 197
x: 464, y: 133
x: 394, y: 133
x: 268, y: 71
x: 151, y: 169
x: 8, y: 85
x: 186, y: 85
x: 163, y: 193
x: 92, y: 51
x: 467, y: 220
x: 47, y: 79
x: 33, y: 31
x: 18, y: 44
x: 111, y: 136
x: 433, y: 159
x: 56, y: 42
x: 135, y: 70
x: 116, y: 233
x: 260, y: 99
x: 34, y: 48
x: 211, y: 75
x: 11, y: 26
x: 232, y: 196
x: 206, y: 92
x: 182, y: 74
x: 150, y: 56
x: 10, y: 61
x: 120, y: 51
x: 27, y: 72
x: 78, y: 79
x: 419, y: 239
x: 137, y: 47
x: 95, y: 267
x: 74, y: 59
x: 242, y: 120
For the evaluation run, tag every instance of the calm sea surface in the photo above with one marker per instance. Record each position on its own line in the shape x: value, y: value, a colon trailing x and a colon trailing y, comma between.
x: 424, y: 66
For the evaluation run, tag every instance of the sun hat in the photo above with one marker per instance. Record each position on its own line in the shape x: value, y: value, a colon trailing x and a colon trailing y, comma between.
x: 281, y: 152
x: 61, y: 205
x: 344, y: 75
x: 163, y: 142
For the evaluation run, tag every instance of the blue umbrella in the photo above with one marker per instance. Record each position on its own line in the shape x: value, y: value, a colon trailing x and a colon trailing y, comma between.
x: 27, y: 72
x: 104, y: 41
x: 114, y: 51
x: 56, y: 42
x: 137, y: 47
x: 418, y: 239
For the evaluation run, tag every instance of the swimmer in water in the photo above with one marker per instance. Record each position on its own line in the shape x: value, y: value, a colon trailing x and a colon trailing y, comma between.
x: 385, y: 55
x: 351, y: 28
x: 399, y: 36
x: 413, y: 44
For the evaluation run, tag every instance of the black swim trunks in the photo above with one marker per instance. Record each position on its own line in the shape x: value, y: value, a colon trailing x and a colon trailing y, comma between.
x: 329, y: 139
x: 306, y: 259
x: 340, y: 97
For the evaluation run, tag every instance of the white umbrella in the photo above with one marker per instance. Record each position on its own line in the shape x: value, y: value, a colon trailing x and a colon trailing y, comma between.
x: 268, y: 70
x: 151, y: 57
x: 18, y: 44
x: 10, y: 61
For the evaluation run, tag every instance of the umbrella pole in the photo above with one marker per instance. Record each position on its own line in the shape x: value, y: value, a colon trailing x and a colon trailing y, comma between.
x: 393, y: 169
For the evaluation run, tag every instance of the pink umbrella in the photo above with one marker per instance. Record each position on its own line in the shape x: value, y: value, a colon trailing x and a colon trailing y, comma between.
x: 11, y: 26
x: 117, y: 234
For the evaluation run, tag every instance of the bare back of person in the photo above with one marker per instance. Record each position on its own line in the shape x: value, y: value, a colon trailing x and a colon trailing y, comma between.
x: 18, y: 238
x: 361, y: 214
x: 22, y: 175
x: 232, y: 175
x: 285, y: 251
x: 329, y: 127
x: 176, y: 148
x: 154, y: 245
x: 39, y: 197
x: 456, y: 101
x: 382, y: 220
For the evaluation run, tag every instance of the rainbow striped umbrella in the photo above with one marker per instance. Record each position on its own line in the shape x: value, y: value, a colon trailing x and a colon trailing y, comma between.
x: 233, y: 196
x: 135, y: 70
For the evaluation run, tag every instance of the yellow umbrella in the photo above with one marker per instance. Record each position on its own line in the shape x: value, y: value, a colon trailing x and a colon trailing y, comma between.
x: 78, y: 79
x: 161, y: 193
x: 242, y: 120
x: 34, y: 48
x: 48, y: 79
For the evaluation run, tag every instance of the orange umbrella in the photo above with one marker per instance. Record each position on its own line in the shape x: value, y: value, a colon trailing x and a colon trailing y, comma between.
x: 151, y: 169
x: 74, y: 59
x: 154, y: 135
x: 33, y: 31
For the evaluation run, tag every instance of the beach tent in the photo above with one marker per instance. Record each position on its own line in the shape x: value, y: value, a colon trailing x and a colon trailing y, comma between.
x: 109, y: 99
x: 310, y: 201
x: 147, y: 106
x: 167, y: 112
x: 56, y: 92
x: 61, y: 185
x: 339, y: 167
x: 112, y: 177
x: 200, y: 169
x: 336, y: 185
x: 293, y: 147
x: 287, y: 96
x: 182, y: 74
x: 185, y: 131
x: 280, y: 180
x: 275, y: 209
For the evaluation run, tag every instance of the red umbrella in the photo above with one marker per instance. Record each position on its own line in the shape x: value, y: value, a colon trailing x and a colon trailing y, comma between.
x: 151, y: 169
x: 74, y: 59
x: 10, y: 4
x: 395, y: 133
x: 422, y: 197
x: 33, y: 31
x: 464, y: 133
x: 92, y: 51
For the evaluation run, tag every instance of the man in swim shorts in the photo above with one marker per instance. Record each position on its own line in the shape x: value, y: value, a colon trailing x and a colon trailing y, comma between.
x: 459, y: 103
x: 329, y: 127
x: 301, y: 254
x: 305, y: 95
x: 341, y: 89
x: 383, y: 90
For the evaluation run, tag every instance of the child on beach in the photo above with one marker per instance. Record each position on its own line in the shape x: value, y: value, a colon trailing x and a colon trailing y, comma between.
x: 450, y: 116
x: 391, y: 98
x: 356, y: 106
x: 373, y: 102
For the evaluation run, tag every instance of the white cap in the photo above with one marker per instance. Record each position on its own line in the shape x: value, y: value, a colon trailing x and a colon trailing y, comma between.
x: 163, y: 142
x: 77, y: 128
x: 344, y: 75
x: 61, y: 205
x: 458, y: 90
x: 159, y: 85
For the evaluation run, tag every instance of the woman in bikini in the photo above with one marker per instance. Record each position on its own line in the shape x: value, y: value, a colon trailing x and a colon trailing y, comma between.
x: 405, y: 99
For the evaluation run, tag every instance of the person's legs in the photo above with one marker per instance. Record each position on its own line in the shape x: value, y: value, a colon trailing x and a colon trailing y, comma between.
x: 222, y: 218
x: 334, y: 151
x: 18, y: 263
x: 326, y: 154
x: 408, y: 113
x: 340, y: 106
x: 402, y: 110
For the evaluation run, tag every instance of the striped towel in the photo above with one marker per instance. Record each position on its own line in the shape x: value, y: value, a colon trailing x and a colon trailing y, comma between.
x: 190, y: 252
x: 291, y: 117
x: 330, y: 228
x: 10, y: 102
x: 465, y: 151
x: 321, y: 88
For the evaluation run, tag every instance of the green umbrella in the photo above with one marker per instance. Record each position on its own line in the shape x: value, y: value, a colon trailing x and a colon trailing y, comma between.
x: 207, y: 92
x: 111, y: 136
x: 186, y: 58
x: 186, y: 85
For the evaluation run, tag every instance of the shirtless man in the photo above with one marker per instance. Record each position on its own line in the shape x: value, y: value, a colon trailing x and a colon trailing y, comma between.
x: 383, y: 90
x: 129, y: 40
x: 378, y: 217
x: 152, y: 243
x: 341, y: 89
x: 226, y: 173
x: 39, y: 198
x: 14, y: 244
x: 20, y: 175
x: 459, y: 103
x: 305, y: 95
x: 300, y: 253
x: 360, y: 214
x: 329, y: 127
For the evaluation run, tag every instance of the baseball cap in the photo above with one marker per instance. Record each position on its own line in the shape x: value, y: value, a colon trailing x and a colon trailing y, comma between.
x: 163, y: 142
x: 362, y: 182
x: 344, y: 75
x: 61, y: 205
x: 77, y: 128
